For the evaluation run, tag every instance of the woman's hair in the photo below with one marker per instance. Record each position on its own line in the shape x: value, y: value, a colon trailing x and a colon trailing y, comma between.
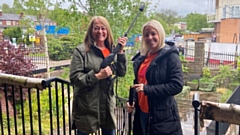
x: 88, y: 40
x: 161, y: 33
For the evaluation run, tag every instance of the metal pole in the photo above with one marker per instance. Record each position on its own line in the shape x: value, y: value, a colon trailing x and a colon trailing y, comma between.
x: 217, y: 128
x: 196, y: 104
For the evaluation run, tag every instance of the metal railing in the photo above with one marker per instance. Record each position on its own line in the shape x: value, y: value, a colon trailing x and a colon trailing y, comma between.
x: 215, y: 127
x: 44, y: 108
x: 213, y: 59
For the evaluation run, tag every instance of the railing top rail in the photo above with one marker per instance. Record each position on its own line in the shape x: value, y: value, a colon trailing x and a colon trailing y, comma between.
x: 48, y: 81
x: 29, y: 82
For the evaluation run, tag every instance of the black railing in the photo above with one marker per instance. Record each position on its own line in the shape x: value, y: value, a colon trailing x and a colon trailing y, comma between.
x: 215, y: 127
x: 213, y: 59
x: 44, y: 109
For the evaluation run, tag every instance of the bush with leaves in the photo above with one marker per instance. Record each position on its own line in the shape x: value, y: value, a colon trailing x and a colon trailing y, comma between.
x: 13, y: 61
x: 61, y: 48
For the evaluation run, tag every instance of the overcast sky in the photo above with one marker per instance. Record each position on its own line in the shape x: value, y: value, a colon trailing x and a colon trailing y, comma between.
x: 182, y: 7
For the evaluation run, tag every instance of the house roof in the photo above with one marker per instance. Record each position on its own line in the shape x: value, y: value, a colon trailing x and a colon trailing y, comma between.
x: 8, y: 16
x: 16, y: 17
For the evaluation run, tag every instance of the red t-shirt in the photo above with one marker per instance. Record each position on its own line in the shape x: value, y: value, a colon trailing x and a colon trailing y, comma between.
x: 105, y: 52
x: 143, y: 99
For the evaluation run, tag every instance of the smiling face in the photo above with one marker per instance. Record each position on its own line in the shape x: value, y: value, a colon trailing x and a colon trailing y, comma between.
x: 99, y: 32
x: 151, y: 37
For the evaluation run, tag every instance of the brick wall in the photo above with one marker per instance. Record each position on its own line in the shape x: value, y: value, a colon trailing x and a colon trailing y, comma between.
x: 197, y: 66
x: 227, y: 29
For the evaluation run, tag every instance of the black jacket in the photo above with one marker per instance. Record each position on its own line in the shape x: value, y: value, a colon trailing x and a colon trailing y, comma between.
x: 165, y: 79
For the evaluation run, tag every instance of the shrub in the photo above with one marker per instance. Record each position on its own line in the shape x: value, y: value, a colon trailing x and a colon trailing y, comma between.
x: 60, y: 48
x: 13, y: 60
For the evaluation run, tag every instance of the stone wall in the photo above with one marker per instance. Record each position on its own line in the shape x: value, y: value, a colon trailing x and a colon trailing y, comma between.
x: 196, y: 66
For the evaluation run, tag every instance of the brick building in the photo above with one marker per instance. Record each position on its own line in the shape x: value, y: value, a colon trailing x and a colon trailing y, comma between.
x: 13, y: 20
x: 226, y: 20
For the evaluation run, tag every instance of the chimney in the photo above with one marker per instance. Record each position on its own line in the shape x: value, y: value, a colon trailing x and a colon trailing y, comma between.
x: 40, y: 16
x: 21, y: 14
x: 0, y: 12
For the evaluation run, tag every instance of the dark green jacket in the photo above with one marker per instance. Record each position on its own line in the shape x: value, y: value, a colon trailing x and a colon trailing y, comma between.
x: 93, y: 99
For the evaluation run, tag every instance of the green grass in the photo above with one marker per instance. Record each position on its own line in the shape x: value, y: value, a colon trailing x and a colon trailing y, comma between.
x: 37, y: 54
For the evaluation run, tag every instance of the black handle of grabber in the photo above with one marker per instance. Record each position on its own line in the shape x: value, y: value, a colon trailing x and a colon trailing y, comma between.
x: 130, y: 99
x: 125, y: 35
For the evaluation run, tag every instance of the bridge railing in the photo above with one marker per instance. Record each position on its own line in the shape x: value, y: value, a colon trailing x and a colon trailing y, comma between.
x: 42, y: 106
x: 214, y: 127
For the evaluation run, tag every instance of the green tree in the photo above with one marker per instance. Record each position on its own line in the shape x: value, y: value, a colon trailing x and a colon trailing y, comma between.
x: 40, y: 9
x: 169, y: 16
x: 13, y: 32
x: 120, y: 14
x: 6, y: 8
x: 195, y: 22
x: 17, y: 7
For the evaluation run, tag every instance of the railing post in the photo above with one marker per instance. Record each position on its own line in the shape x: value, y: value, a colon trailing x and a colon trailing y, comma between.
x: 196, y: 104
x: 217, y: 128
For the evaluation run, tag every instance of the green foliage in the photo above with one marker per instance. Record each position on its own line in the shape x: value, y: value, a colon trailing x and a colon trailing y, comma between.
x: 124, y: 83
x: 119, y: 14
x: 225, y: 96
x: 224, y: 73
x: 206, y: 72
x: 168, y: 15
x: 195, y: 81
x: 206, y: 76
x: 196, y: 21
x: 6, y: 8
x: 60, y: 48
x: 13, y: 32
x: 184, y: 61
x: 45, y: 113
x: 65, y: 74
x: 237, y: 73
x: 207, y: 80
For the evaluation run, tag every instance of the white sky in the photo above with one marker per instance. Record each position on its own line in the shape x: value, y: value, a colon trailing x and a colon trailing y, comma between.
x: 182, y: 7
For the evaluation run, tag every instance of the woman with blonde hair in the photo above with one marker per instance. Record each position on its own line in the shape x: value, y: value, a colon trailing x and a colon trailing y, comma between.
x: 158, y: 78
x: 93, y: 97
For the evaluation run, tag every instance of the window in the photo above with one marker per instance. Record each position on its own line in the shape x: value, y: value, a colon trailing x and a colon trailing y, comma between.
x: 237, y: 12
x: 232, y: 12
x: 1, y: 23
x: 1, y: 29
x: 8, y: 23
x: 224, y: 12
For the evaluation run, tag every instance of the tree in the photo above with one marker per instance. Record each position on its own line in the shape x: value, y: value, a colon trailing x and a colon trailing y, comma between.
x: 40, y: 8
x: 169, y: 16
x: 6, y: 8
x: 17, y: 7
x: 195, y: 22
x: 13, y: 32
x: 119, y: 13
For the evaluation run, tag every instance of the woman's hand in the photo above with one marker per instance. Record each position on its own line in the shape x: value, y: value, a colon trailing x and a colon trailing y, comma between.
x: 123, y: 42
x: 104, y: 73
x: 130, y: 107
x: 138, y: 87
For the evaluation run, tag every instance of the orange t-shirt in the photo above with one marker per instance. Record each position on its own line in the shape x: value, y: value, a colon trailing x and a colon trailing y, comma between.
x: 105, y: 52
x: 143, y: 99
